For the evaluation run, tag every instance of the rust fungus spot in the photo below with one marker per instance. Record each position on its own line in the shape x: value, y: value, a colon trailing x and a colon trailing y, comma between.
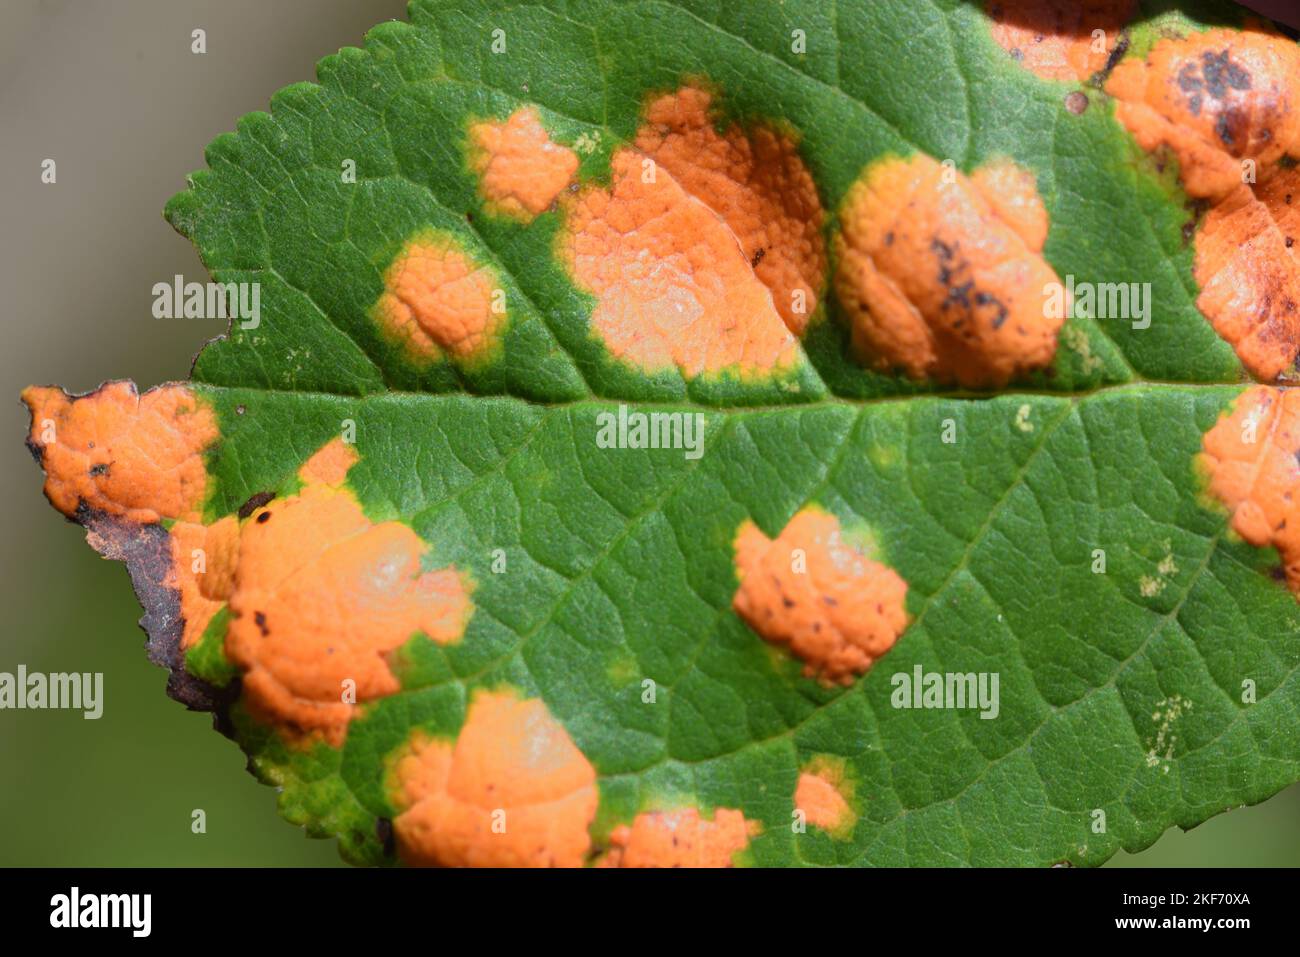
x: 704, y: 253
x: 1224, y: 103
x: 1058, y: 39
x: 520, y: 170
x: 824, y: 795
x: 817, y: 592
x: 1250, y: 457
x: 942, y: 276
x: 342, y: 592
x: 139, y: 457
x: 680, y: 838
x: 757, y: 182
x: 512, y: 791
x: 673, y: 287
x: 438, y: 300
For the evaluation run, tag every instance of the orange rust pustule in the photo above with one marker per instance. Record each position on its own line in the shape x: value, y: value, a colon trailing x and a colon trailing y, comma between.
x: 513, y: 791
x: 936, y: 282
x: 823, y: 794
x: 1248, y: 268
x: 139, y: 457
x: 835, y: 608
x: 1213, y: 98
x: 757, y: 182
x: 321, y: 595
x: 1252, y: 459
x: 673, y: 287
x: 438, y: 301
x: 520, y: 170
x: 1053, y: 39
x: 1223, y: 101
x: 680, y: 838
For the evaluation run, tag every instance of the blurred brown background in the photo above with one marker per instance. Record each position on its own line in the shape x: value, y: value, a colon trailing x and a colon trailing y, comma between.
x: 112, y: 93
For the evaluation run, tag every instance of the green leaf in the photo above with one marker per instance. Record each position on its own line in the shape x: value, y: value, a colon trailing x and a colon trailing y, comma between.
x: 597, y: 573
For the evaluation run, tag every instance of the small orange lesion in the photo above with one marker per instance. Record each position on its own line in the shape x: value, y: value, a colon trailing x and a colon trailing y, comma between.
x: 824, y: 794
x: 757, y: 182
x: 942, y: 276
x: 513, y: 790
x: 438, y: 301
x: 818, y: 592
x: 330, y: 464
x: 1058, y: 39
x: 680, y: 838
x: 321, y: 596
x: 521, y: 171
x: 138, y: 457
x: 1252, y: 459
x: 1224, y: 103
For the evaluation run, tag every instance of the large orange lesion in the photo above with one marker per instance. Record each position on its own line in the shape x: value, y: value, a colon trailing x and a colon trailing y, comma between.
x: 513, y: 790
x: 320, y: 596
x: 942, y: 276
x: 137, y: 457
x: 757, y: 182
x: 1224, y: 103
x: 680, y: 838
x: 521, y: 171
x: 816, y: 591
x: 1057, y: 39
x: 704, y: 252
x: 438, y: 300
x: 1214, y: 98
x: 673, y: 287
x: 1252, y: 460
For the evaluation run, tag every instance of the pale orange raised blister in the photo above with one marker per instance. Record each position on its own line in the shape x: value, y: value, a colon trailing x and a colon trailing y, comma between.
x: 673, y: 288
x: 321, y: 596
x: 438, y: 300
x: 1252, y: 461
x: 513, y: 790
x: 520, y: 170
x: 704, y: 253
x: 815, y: 591
x: 757, y: 182
x: 824, y: 795
x: 680, y: 838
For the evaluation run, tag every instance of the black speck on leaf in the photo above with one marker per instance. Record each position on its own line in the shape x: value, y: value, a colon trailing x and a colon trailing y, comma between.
x: 254, y: 502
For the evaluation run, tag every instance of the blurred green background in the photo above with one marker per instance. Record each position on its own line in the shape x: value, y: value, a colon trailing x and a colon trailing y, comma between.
x: 112, y: 92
